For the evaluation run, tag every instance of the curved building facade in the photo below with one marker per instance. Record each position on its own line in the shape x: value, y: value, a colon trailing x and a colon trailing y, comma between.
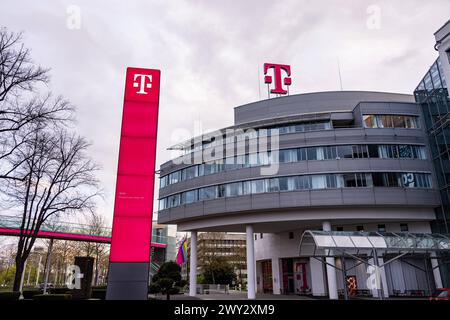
x: 339, y: 161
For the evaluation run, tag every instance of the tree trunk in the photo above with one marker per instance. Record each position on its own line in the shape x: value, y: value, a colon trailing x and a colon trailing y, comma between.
x: 168, y: 296
x: 18, y: 275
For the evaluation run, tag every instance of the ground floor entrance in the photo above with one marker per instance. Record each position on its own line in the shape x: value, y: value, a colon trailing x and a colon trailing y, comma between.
x: 408, y: 277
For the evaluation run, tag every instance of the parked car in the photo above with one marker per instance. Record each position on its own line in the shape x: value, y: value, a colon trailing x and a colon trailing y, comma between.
x: 441, y: 294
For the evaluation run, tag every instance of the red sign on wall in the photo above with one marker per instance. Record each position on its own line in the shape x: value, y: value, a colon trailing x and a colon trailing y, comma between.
x: 133, y: 207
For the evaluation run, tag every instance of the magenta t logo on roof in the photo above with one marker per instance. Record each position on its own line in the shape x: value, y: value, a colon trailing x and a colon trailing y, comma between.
x: 277, y: 75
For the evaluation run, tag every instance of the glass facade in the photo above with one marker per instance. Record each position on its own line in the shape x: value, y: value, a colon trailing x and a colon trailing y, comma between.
x: 387, y: 151
x: 432, y: 95
x: 303, y: 182
x: 279, y: 129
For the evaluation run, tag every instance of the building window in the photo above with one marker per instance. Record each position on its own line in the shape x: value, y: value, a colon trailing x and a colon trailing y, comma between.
x: 174, y: 177
x: 258, y: 186
x: 291, y: 235
x: 390, y: 121
x: 345, y: 152
x: 381, y: 228
x: 296, y: 155
x: 339, y: 228
x: 291, y: 183
x: 404, y: 227
x: 189, y: 197
x: 359, y: 228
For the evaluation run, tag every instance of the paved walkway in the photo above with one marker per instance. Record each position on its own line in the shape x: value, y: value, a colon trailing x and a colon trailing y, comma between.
x: 232, y: 296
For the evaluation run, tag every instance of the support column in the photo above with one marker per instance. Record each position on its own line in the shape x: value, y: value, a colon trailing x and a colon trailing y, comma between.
x: 48, y: 265
x: 22, y: 278
x: 379, y: 280
x: 436, y: 271
x: 317, y: 277
x: 250, y: 263
x: 193, y: 265
x: 38, y: 271
x: 331, y: 270
x: 276, y: 281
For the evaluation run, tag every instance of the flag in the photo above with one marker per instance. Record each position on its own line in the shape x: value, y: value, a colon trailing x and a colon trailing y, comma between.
x: 182, y: 252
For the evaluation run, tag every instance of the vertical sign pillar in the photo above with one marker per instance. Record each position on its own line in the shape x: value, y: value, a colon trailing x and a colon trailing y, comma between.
x: 132, y: 224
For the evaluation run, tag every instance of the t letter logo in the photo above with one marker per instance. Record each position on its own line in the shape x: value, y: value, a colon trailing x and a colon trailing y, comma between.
x: 142, y: 84
x: 278, y: 78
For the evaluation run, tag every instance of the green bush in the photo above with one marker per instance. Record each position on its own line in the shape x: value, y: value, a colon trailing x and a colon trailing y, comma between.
x: 52, y: 297
x: 29, y: 294
x: 174, y: 290
x: 98, y: 294
x: 182, y: 283
x: 9, y: 295
x: 99, y: 287
x: 154, y: 288
x: 59, y: 290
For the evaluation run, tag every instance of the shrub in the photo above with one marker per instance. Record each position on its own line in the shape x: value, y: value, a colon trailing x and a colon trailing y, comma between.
x: 174, y: 290
x: 98, y: 294
x: 59, y: 290
x: 52, y: 297
x: 182, y: 283
x: 9, y: 295
x: 154, y: 288
x: 99, y: 287
x: 29, y: 294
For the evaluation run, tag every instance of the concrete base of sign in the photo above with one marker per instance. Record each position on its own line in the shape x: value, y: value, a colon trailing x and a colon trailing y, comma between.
x: 127, y: 281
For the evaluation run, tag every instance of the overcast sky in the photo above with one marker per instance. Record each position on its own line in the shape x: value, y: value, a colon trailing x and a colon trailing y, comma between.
x: 209, y: 53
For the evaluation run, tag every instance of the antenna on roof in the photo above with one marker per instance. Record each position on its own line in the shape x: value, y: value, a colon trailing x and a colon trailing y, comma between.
x: 259, y: 84
x: 339, y: 70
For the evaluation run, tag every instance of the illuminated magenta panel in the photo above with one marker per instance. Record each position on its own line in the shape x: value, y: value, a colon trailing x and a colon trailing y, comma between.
x: 131, y: 239
x: 133, y: 206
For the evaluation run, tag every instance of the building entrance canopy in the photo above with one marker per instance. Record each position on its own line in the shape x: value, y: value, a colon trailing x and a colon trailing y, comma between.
x: 335, y: 243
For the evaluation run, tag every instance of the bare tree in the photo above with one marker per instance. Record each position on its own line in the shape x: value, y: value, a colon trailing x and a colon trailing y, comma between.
x: 96, y: 226
x: 20, y: 107
x: 59, y: 178
x: 17, y: 70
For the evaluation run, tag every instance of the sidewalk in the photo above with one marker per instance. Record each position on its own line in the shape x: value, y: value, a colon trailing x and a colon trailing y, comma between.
x: 232, y: 296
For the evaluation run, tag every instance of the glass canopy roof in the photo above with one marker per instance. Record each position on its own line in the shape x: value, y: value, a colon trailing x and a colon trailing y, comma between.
x: 317, y: 243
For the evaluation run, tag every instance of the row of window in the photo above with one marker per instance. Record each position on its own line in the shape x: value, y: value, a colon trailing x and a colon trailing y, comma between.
x: 269, y: 131
x: 291, y: 183
x: 295, y: 155
x: 390, y: 121
x: 380, y: 228
x: 370, y: 121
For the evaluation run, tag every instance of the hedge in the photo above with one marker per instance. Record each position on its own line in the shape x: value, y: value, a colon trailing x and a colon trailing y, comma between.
x: 63, y: 290
x: 98, y: 294
x: 52, y: 297
x: 29, y: 294
x: 9, y: 295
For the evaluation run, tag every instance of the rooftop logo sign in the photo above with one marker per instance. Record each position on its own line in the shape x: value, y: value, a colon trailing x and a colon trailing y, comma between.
x: 278, y: 79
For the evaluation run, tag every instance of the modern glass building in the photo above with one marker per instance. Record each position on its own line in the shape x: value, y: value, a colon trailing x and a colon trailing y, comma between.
x: 344, y: 162
x: 339, y: 193
x: 433, y: 97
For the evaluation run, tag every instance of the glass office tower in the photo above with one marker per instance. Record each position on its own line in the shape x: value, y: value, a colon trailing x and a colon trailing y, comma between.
x: 432, y: 95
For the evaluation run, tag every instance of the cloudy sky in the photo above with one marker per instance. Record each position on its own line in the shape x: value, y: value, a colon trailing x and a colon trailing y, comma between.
x: 209, y: 53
